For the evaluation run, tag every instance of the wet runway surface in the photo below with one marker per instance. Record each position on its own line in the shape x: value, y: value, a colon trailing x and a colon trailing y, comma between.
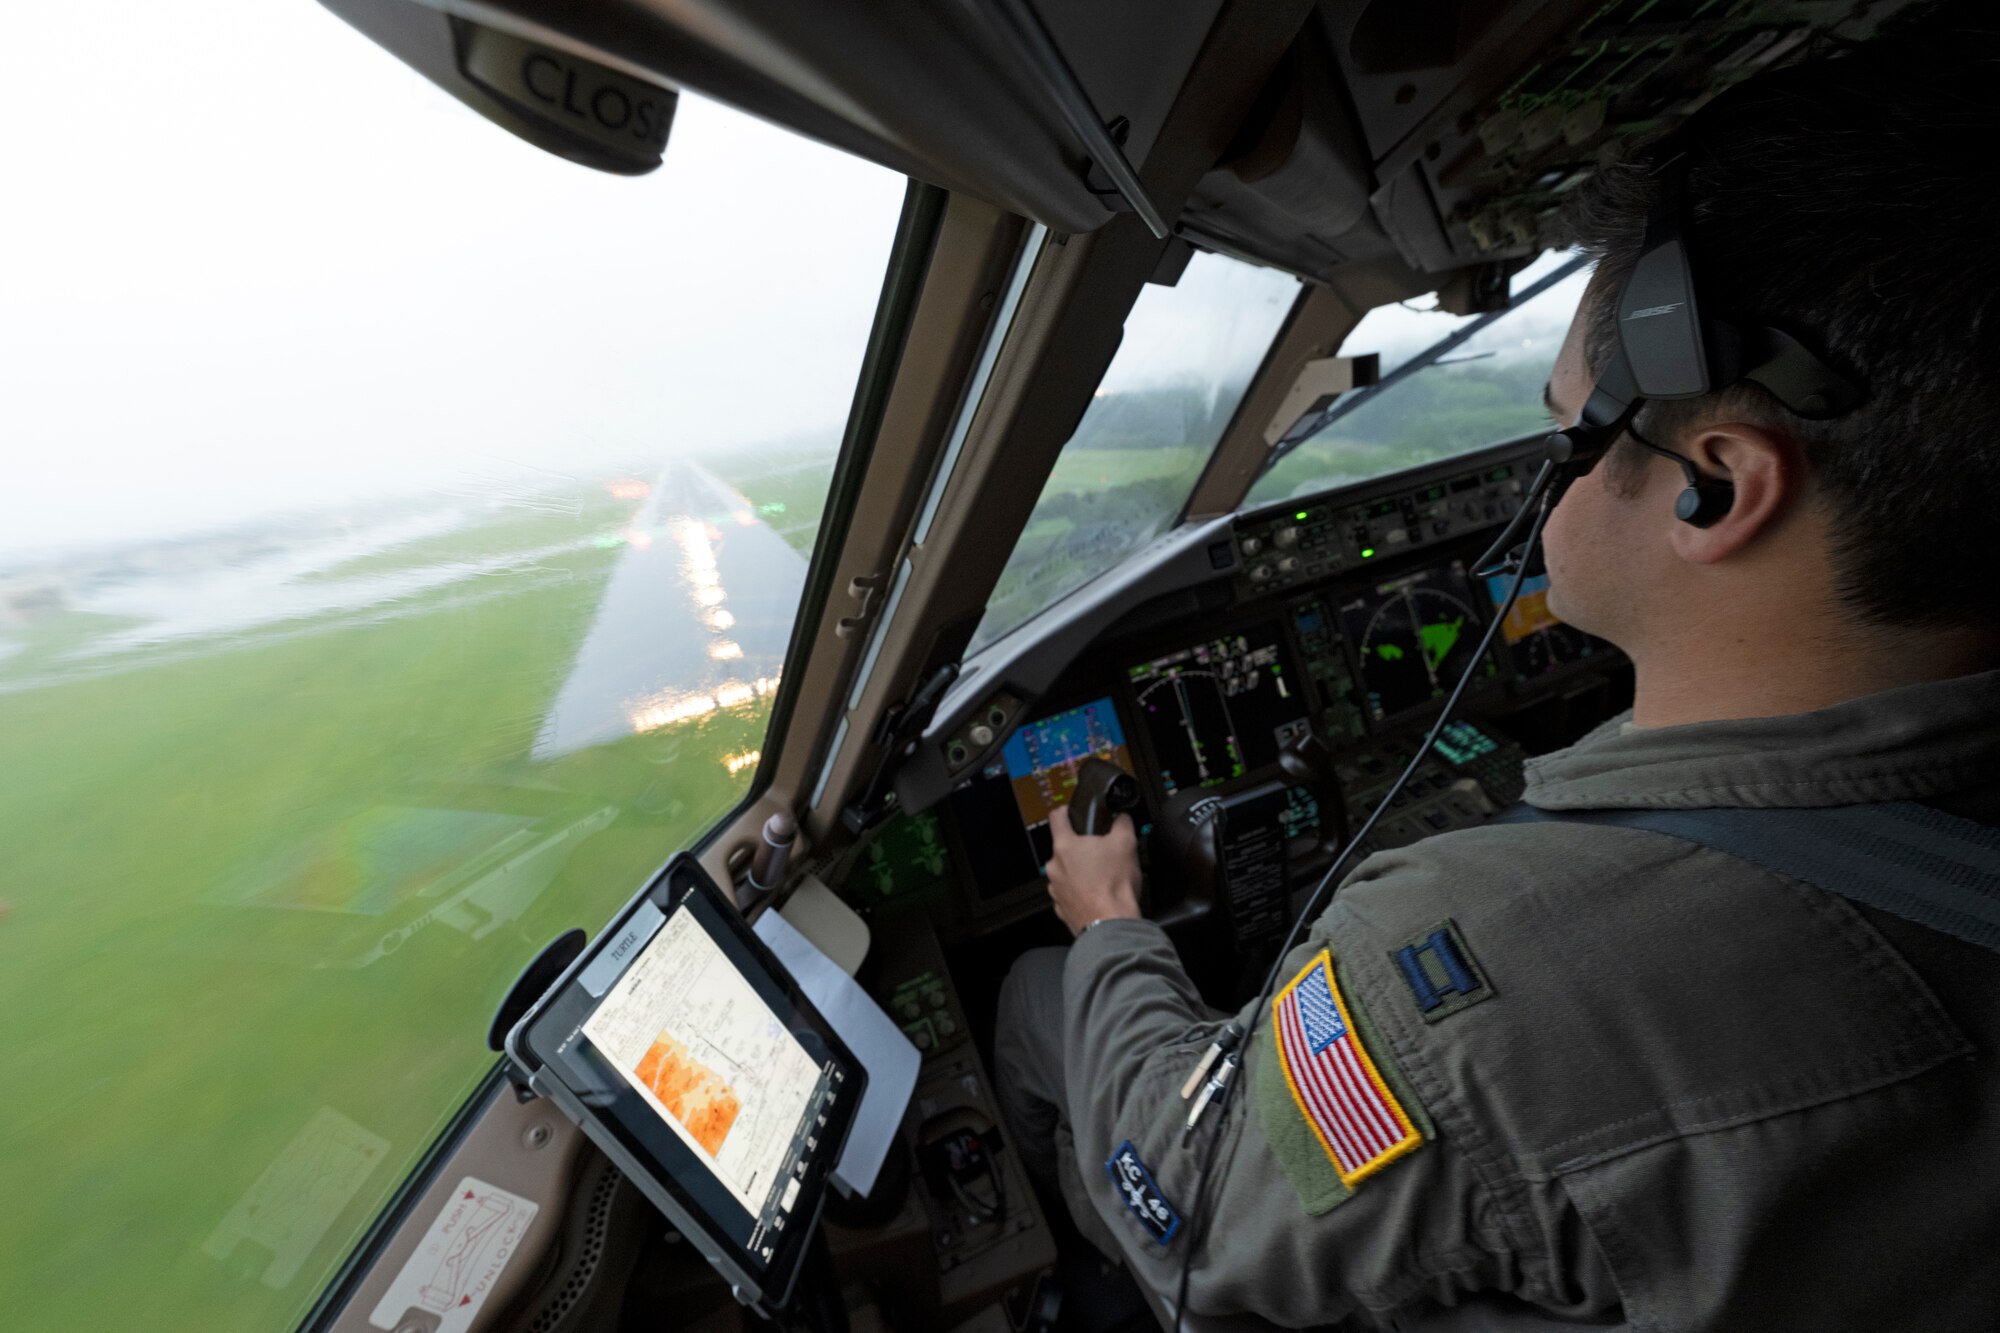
x: 697, y: 615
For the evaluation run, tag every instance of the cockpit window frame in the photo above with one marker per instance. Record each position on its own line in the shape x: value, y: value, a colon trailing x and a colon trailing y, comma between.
x: 1176, y: 517
x: 1244, y: 405
x: 1423, y: 360
x: 910, y: 255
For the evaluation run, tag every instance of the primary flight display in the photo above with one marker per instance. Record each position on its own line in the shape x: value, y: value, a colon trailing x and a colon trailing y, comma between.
x: 1218, y: 709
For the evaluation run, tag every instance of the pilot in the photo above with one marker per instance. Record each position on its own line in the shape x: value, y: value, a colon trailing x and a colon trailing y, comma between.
x: 1632, y: 1082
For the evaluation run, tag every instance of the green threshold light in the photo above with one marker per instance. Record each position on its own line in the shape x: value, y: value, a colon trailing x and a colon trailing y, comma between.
x: 1367, y: 551
x: 1300, y: 516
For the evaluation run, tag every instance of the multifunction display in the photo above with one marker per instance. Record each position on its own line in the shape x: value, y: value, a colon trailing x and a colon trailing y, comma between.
x: 1538, y: 643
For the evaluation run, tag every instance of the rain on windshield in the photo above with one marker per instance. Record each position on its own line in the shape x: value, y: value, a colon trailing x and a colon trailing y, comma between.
x: 400, y: 535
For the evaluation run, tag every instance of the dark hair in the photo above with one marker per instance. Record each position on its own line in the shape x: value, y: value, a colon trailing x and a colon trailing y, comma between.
x: 1852, y: 201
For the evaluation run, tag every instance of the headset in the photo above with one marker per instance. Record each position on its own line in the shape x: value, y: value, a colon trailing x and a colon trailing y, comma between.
x: 1666, y: 349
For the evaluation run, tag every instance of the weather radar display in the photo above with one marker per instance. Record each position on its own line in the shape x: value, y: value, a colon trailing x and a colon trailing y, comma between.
x: 1537, y: 642
x: 1414, y: 637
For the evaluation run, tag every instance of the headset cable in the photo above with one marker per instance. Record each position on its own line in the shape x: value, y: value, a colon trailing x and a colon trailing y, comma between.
x: 1535, y: 507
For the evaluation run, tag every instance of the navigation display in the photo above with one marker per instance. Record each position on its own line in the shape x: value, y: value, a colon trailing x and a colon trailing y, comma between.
x: 684, y: 1027
x: 1220, y: 708
x: 1537, y: 642
x: 1413, y: 636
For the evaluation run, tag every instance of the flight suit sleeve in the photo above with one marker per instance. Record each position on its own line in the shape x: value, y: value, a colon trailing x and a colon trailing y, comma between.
x: 1347, y: 1184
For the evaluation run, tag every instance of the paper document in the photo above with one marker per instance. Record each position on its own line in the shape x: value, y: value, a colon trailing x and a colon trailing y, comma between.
x: 873, y: 1037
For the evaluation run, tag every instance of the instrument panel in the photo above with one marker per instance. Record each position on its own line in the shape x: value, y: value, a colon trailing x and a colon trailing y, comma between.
x: 1348, y: 617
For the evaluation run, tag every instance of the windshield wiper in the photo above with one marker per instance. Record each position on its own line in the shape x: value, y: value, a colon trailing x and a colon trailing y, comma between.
x: 1316, y: 421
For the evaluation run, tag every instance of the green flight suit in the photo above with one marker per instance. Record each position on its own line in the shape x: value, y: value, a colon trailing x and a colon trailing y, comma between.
x: 1685, y: 1094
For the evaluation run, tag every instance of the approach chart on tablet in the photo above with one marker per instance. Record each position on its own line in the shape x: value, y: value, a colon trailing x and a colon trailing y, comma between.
x: 686, y: 1029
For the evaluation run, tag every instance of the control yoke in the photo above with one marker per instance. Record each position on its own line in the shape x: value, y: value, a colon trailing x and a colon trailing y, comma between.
x: 1103, y: 792
x: 1192, y: 834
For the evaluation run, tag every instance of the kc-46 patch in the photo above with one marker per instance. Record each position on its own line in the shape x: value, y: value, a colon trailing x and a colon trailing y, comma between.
x: 1141, y: 1195
x: 1357, y: 1122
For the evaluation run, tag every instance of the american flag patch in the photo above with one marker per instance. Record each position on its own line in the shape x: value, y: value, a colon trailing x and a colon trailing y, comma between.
x: 1336, y: 1085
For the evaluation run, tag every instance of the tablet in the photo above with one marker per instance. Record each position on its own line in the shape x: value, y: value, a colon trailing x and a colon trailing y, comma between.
x: 681, y: 1046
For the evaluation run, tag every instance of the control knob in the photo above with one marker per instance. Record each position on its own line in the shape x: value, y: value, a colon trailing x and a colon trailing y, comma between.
x: 981, y: 735
x: 1285, y: 538
x: 1288, y: 564
x: 1260, y: 573
x: 1251, y: 546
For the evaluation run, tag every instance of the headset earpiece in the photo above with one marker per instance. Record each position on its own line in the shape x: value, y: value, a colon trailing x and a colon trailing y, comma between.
x: 1704, y: 503
x: 1705, y: 499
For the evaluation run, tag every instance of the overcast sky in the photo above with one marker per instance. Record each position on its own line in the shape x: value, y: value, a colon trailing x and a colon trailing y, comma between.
x: 253, y: 262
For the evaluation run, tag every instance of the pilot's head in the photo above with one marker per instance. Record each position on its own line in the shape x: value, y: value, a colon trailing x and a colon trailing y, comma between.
x: 1850, y: 201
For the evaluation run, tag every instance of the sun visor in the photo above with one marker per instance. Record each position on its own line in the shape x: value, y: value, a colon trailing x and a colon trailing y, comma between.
x: 937, y: 91
x: 556, y: 99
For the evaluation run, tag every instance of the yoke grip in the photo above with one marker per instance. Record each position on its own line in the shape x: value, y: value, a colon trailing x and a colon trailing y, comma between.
x: 1103, y: 792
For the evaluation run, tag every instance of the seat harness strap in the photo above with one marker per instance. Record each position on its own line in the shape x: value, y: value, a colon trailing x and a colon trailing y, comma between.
x: 1924, y: 865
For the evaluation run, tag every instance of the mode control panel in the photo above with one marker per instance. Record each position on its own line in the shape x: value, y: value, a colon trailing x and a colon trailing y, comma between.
x: 1307, y: 543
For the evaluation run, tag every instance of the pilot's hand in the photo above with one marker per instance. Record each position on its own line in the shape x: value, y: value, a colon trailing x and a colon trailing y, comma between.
x: 1093, y: 879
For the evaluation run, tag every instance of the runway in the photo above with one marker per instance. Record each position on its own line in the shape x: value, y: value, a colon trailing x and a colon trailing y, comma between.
x: 697, y: 615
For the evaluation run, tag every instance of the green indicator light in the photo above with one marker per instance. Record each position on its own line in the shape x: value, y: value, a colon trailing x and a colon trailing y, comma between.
x: 1367, y: 551
x: 1300, y: 516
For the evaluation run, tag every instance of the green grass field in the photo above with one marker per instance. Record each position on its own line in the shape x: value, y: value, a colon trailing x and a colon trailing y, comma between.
x: 1099, y: 504
x: 1444, y: 411
x: 209, y: 849
x: 261, y: 888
